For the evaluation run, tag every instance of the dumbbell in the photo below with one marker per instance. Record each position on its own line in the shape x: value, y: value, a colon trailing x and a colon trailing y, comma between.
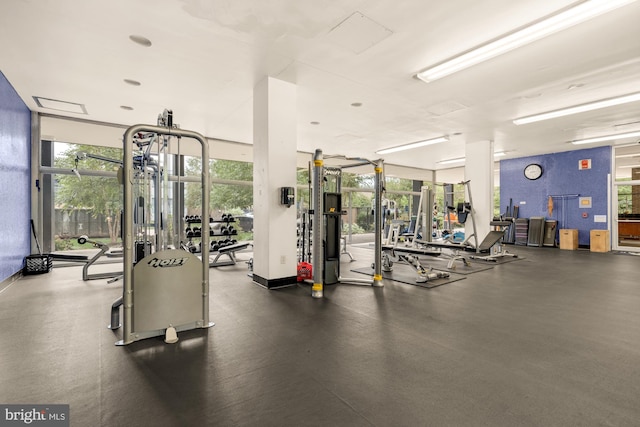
x: 224, y: 217
x: 224, y: 230
x: 230, y: 218
x: 231, y: 229
x: 190, y: 234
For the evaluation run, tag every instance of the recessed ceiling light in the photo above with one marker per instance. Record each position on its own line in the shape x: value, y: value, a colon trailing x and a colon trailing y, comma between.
x: 356, y: 104
x: 143, y: 41
x: 132, y: 82
x: 314, y: 123
x: 126, y: 107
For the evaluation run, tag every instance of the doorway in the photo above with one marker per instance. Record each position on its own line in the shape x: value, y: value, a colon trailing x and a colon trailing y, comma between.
x: 625, y: 209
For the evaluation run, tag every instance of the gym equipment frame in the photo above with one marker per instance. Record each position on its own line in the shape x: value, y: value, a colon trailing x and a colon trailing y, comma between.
x: 318, y: 251
x: 167, y: 291
x: 104, y: 248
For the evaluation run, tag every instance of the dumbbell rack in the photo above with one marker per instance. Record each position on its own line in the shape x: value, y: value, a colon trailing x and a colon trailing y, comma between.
x: 226, y: 231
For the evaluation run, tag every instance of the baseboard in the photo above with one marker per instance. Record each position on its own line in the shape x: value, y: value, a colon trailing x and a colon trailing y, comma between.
x: 10, y: 280
x: 275, y: 283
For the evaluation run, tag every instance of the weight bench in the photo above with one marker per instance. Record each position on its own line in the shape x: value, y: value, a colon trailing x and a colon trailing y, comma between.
x: 88, y: 262
x: 491, y: 239
x: 456, y: 248
x: 491, y: 245
x: 411, y: 250
x: 431, y: 252
x: 230, y: 252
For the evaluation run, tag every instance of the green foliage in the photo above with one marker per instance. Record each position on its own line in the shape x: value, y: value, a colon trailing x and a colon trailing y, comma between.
x: 102, y: 195
x: 355, y: 229
x: 63, y: 244
x: 226, y: 197
x: 365, y: 219
x: 223, y: 197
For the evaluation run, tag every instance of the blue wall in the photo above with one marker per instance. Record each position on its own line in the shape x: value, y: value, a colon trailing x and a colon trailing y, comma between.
x: 15, y: 178
x: 561, y: 176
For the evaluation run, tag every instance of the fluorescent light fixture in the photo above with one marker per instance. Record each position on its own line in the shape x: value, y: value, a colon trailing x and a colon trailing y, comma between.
x: 462, y: 159
x: 622, y: 156
x: 413, y: 145
x: 606, y: 138
x: 628, y: 166
x: 604, y: 103
x: 450, y: 161
x: 559, y: 21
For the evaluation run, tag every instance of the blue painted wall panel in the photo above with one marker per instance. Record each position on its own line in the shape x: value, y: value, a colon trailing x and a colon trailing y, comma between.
x: 561, y: 176
x: 15, y: 178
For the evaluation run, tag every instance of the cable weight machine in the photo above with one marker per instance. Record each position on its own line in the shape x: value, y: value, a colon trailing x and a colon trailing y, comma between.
x: 327, y: 229
x: 167, y: 291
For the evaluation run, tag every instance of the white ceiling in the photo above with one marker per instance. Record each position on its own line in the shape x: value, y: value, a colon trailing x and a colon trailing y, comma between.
x: 207, y: 56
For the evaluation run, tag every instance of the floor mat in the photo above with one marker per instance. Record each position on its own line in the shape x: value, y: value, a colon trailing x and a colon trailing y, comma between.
x: 405, y: 274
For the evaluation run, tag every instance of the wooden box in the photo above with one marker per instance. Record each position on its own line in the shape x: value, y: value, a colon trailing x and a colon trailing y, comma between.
x: 600, y: 241
x: 569, y: 239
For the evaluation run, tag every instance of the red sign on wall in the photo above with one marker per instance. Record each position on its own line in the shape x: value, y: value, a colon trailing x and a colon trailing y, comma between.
x: 584, y: 164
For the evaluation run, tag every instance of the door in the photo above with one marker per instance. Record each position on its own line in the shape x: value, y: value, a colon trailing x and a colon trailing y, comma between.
x: 625, y: 208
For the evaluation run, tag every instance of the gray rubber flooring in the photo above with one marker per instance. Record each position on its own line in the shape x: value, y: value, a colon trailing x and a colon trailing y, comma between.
x: 550, y: 340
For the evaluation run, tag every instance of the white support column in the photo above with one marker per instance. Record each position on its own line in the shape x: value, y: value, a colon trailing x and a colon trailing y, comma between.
x: 274, y: 167
x: 479, y: 170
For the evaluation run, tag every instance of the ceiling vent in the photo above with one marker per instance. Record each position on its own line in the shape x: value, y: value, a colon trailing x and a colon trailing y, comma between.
x: 358, y: 33
x: 55, y: 104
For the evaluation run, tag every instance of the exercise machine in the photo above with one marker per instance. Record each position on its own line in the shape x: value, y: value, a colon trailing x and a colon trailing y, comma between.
x: 103, y: 250
x: 326, y: 233
x: 167, y: 291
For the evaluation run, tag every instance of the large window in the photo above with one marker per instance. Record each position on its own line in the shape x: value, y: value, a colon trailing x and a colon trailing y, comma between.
x: 87, y: 198
x: 86, y: 195
x: 231, y: 192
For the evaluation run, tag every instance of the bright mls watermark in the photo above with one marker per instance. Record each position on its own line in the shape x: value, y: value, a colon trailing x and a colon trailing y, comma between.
x: 34, y: 415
